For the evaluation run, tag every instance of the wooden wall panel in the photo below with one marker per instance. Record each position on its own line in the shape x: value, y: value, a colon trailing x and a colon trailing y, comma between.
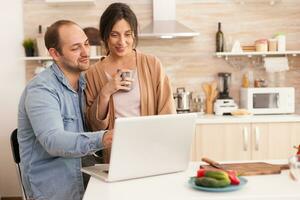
x: 190, y: 62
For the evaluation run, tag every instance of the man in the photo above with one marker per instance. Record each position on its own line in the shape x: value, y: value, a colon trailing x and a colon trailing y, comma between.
x: 51, y: 124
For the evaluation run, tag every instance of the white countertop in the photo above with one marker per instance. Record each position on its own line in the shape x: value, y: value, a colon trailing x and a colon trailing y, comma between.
x: 214, y: 119
x: 175, y: 186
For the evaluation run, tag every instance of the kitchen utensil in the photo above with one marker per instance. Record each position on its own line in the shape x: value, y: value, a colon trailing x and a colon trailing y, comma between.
x: 213, y: 90
x: 243, y: 182
x: 213, y: 163
x: 206, y: 89
x: 183, y: 100
x: 249, y: 169
x: 210, y: 93
x: 197, y: 104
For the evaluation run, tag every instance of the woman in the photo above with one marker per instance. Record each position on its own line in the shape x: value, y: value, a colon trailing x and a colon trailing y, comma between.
x: 108, y: 95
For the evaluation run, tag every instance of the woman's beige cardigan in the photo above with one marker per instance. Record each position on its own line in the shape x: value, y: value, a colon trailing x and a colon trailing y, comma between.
x: 155, y: 90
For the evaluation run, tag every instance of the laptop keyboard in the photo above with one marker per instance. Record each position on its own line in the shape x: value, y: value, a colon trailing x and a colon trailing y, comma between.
x: 95, y: 169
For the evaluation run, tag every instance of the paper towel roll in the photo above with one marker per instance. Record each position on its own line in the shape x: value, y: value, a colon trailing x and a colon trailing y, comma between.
x: 276, y: 64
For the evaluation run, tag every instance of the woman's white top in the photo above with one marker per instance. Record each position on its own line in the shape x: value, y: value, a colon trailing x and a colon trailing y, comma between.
x: 128, y: 103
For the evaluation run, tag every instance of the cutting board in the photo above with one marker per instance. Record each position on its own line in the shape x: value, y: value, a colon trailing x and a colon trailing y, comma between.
x: 249, y: 169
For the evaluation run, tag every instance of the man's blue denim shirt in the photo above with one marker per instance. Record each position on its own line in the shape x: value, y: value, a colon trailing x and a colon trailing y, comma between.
x: 51, y: 137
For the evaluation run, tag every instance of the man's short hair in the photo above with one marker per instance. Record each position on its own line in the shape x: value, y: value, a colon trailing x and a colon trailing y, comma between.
x: 52, y: 39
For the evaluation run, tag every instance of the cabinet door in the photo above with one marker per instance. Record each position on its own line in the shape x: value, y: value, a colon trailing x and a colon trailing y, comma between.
x: 223, y: 142
x: 193, y: 148
x: 274, y: 140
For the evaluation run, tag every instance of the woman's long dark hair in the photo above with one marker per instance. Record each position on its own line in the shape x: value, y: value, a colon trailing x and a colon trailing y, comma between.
x: 113, y: 14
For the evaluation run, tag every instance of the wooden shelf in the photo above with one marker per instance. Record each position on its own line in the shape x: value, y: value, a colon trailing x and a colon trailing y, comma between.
x: 263, y: 54
x: 50, y: 58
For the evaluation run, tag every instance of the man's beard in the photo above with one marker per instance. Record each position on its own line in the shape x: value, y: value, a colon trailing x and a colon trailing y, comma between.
x: 75, y: 67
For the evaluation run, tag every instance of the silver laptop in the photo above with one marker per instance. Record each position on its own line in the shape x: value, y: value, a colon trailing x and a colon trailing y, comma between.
x: 147, y: 146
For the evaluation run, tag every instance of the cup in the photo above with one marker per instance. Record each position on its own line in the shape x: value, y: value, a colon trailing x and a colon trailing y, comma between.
x: 127, y: 74
x: 294, y: 164
x: 272, y: 43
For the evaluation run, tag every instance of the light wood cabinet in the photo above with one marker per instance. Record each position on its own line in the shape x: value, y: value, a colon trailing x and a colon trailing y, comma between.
x: 245, y: 141
x: 274, y: 140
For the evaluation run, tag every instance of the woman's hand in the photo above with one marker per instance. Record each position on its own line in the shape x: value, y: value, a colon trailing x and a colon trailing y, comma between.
x: 117, y: 83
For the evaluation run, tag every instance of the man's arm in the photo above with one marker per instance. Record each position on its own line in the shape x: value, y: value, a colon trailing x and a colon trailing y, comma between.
x: 42, y: 106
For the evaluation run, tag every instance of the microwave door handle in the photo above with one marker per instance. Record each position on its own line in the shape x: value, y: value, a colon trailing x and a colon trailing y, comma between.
x: 257, y: 136
x: 277, y: 100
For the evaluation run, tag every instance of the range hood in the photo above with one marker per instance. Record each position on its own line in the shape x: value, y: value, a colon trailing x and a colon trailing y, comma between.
x: 164, y: 24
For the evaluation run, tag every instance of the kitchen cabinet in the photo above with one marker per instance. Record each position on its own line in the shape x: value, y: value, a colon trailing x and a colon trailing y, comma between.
x: 222, y: 141
x: 274, y: 140
x: 245, y: 141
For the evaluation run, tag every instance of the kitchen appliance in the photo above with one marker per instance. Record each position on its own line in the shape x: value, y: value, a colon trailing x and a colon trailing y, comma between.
x: 224, y: 104
x: 183, y: 100
x: 269, y: 100
x: 164, y: 24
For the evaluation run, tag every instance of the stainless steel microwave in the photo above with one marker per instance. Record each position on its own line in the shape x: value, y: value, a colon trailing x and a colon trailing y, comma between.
x: 268, y: 100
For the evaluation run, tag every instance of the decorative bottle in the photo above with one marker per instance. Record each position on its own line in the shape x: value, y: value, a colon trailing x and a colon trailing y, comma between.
x: 42, y: 50
x: 219, y: 39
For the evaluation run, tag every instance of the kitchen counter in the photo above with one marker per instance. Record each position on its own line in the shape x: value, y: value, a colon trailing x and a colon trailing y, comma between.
x: 175, y: 186
x: 214, y: 119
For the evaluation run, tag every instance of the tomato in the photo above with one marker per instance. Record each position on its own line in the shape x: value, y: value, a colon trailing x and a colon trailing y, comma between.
x: 200, y: 173
x: 233, y: 177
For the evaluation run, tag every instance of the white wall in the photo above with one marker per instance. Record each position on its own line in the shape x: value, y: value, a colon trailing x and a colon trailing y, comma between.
x: 12, y: 82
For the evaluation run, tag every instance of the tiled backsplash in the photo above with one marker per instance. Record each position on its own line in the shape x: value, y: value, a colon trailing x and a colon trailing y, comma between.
x: 190, y: 62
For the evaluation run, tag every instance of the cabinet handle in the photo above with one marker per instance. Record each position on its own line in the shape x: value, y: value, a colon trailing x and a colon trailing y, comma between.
x: 257, y: 135
x: 245, y: 134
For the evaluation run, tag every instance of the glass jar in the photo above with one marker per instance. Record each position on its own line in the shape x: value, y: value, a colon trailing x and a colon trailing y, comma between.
x: 272, y: 43
x: 281, y: 42
x: 245, y: 81
x: 261, y: 45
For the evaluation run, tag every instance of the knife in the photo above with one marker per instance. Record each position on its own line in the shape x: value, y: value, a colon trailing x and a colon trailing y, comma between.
x: 213, y: 163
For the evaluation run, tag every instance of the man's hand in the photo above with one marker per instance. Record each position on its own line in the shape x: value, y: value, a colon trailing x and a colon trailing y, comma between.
x: 107, y: 139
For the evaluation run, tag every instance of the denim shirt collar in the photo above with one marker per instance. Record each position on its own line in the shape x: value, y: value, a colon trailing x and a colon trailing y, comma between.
x: 61, y: 77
